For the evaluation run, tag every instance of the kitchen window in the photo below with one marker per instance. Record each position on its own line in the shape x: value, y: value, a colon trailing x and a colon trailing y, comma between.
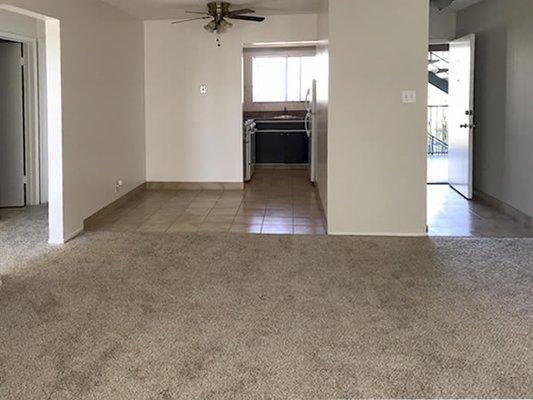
x: 281, y: 79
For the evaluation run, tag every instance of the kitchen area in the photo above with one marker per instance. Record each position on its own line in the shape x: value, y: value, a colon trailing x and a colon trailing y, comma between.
x: 279, y: 102
x: 276, y: 142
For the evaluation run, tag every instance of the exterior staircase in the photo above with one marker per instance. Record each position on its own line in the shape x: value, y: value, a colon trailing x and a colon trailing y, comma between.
x: 438, y: 70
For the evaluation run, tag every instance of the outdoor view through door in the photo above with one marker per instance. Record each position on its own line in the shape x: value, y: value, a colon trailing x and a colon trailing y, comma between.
x: 438, y: 73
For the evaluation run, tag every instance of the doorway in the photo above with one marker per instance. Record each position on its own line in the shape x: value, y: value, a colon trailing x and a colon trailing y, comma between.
x: 23, y: 172
x: 451, y: 114
x: 279, y: 152
x: 23, y: 180
x: 13, y: 135
x: 453, y: 209
x: 39, y: 70
x: 278, y: 107
x: 450, y: 136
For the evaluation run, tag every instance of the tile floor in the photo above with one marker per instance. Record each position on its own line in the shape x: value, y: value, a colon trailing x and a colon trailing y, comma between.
x: 450, y: 214
x: 284, y: 202
x: 275, y: 202
x: 437, y: 168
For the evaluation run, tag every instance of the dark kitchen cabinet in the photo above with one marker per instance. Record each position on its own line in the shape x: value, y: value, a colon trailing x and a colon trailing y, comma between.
x: 297, y: 148
x: 281, y: 142
x: 270, y: 148
x: 282, y: 148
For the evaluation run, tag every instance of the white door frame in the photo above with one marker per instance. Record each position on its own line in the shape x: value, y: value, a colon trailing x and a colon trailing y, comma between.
x: 32, y: 122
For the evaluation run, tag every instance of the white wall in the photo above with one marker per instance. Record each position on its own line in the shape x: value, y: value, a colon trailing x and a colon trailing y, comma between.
x: 195, y: 138
x: 503, y: 140
x: 102, y: 62
x: 322, y: 104
x: 377, y: 160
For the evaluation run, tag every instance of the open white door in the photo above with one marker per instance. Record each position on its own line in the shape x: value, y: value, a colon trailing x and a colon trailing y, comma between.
x: 12, y: 191
x: 461, y: 115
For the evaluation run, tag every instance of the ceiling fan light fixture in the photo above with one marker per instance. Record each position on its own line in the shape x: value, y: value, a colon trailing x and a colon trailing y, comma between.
x: 211, y: 27
x: 223, y: 26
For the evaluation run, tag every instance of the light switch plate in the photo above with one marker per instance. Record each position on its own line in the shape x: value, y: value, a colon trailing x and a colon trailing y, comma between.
x: 203, y: 89
x: 409, y: 96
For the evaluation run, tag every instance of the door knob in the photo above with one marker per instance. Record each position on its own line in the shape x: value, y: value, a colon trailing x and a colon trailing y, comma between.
x: 463, y: 126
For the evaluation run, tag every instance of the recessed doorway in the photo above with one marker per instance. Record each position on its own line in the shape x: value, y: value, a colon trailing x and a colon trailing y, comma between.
x: 31, y: 127
x: 13, y: 132
x: 453, y: 208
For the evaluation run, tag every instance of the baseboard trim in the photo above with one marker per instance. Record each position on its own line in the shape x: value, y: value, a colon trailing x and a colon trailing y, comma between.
x: 321, y: 205
x: 282, y: 166
x: 384, y: 234
x: 93, y: 219
x: 195, y: 185
x: 504, y: 208
x: 74, y: 234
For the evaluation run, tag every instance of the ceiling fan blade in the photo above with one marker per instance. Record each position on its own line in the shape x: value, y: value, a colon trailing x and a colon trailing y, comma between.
x: 188, y: 20
x: 242, y: 11
x: 247, y: 18
x: 196, y: 12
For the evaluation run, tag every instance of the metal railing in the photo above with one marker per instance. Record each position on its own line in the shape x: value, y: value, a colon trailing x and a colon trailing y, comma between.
x: 436, y: 146
x: 437, y: 130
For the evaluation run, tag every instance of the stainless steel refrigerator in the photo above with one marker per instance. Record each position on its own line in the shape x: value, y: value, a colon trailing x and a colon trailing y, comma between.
x: 249, y: 149
x: 311, y: 128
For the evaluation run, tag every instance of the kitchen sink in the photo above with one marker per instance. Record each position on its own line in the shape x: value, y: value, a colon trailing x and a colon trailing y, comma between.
x: 286, y: 117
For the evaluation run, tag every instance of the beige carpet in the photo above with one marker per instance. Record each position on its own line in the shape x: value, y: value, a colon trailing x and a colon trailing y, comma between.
x: 226, y: 316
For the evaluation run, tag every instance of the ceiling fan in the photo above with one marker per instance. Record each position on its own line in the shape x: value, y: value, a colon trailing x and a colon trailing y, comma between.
x: 219, y: 12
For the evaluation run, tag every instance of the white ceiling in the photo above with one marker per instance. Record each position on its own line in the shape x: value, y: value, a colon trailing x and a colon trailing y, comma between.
x: 170, y: 9
x: 173, y: 9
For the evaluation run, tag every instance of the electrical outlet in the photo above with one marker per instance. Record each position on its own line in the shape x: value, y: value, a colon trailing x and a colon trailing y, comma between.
x: 409, y: 96
x: 118, y: 185
x: 203, y: 89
